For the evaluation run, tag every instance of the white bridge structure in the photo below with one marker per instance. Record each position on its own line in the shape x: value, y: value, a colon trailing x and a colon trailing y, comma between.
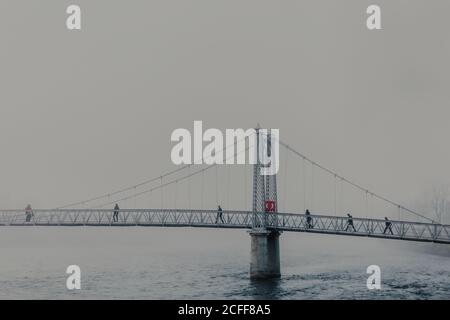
x: 374, y: 228
x: 264, y: 221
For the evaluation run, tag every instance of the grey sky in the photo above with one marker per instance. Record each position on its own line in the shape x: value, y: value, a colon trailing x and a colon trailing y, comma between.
x: 84, y: 113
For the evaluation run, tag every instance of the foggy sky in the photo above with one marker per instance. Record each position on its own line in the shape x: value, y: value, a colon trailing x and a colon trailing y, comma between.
x: 86, y: 112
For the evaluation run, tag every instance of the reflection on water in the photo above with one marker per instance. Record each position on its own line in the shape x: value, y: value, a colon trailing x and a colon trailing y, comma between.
x: 265, y: 289
x: 184, y: 263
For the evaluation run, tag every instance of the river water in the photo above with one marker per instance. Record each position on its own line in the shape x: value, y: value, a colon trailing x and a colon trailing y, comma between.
x: 194, y: 263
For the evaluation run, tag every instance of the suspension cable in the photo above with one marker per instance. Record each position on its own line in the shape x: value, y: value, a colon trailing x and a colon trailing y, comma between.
x: 357, y: 186
x: 201, y: 194
x: 189, y: 191
x: 304, y: 184
x: 169, y: 173
x: 162, y: 185
x: 176, y: 195
x: 285, y: 181
x: 228, y: 185
x: 217, y: 186
x: 335, y: 194
x: 162, y: 194
x: 145, y: 182
x: 312, y: 185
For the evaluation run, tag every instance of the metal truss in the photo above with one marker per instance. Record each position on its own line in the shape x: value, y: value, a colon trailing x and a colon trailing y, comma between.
x: 264, y: 186
x: 401, y: 230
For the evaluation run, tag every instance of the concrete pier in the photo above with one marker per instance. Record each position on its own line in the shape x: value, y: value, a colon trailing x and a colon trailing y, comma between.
x: 265, y: 254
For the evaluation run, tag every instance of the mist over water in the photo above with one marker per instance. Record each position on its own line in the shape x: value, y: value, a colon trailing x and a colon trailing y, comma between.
x: 153, y: 263
x: 84, y: 113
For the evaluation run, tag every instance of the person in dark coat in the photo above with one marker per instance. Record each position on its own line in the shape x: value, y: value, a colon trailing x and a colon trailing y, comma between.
x: 116, y: 213
x: 219, y: 215
x: 309, y: 223
x: 350, y: 222
x: 388, y: 226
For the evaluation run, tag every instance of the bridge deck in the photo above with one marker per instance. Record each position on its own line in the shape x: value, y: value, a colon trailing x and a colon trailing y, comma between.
x: 401, y: 230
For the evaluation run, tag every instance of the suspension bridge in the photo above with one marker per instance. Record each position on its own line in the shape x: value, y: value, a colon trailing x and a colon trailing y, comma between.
x: 265, y: 220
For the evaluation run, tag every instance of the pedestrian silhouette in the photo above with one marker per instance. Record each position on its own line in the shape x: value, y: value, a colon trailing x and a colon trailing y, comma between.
x: 28, y: 213
x: 350, y: 222
x: 219, y: 215
x: 116, y: 213
x: 309, y: 223
x: 388, y: 226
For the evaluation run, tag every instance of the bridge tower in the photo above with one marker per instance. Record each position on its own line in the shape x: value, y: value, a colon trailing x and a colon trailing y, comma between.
x: 265, y: 247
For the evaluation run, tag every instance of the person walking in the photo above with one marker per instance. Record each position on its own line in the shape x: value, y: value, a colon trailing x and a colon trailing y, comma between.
x: 28, y: 213
x: 309, y: 223
x: 219, y: 214
x: 350, y: 222
x: 116, y: 213
x: 388, y: 226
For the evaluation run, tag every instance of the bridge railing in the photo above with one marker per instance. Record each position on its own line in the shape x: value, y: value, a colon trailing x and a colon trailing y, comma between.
x: 417, y: 231
x: 361, y: 226
x: 157, y: 217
